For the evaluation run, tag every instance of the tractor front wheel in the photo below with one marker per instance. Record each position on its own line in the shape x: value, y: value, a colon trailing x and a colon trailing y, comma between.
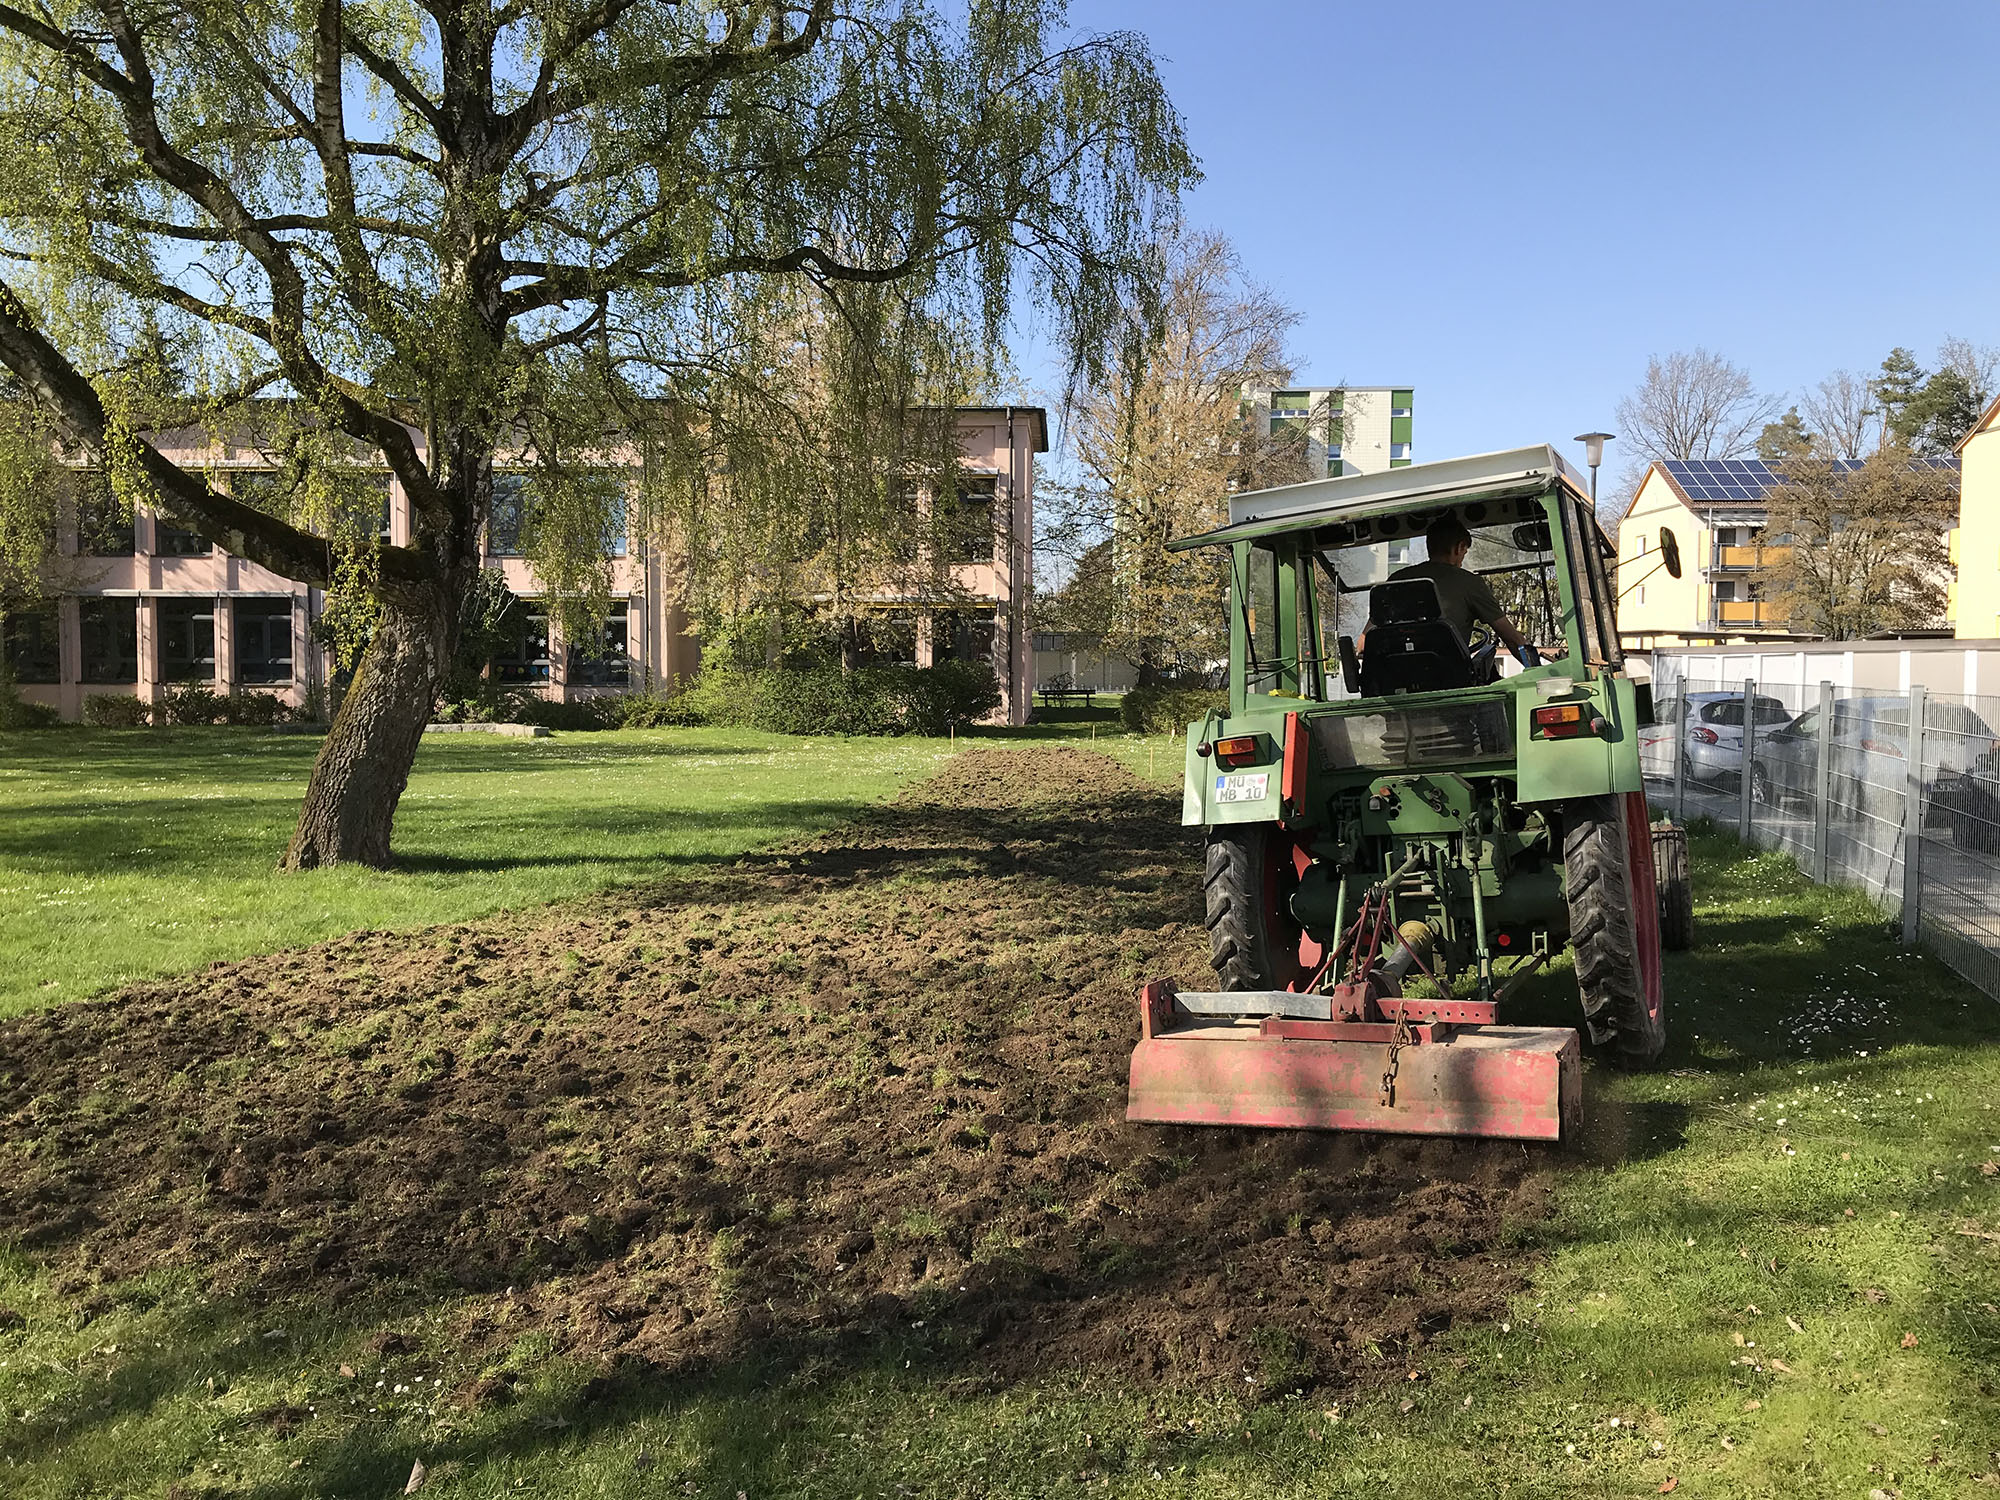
x: 1254, y: 941
x: 1614, y: 924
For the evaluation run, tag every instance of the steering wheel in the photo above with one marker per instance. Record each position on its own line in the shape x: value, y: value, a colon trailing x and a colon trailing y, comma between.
x: 1483, y: 648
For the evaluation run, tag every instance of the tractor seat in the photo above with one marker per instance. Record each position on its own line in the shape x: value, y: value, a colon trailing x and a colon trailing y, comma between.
x: 1410, y: 648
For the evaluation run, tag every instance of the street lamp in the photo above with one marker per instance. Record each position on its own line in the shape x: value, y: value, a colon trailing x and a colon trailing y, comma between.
x: 1593, y: 454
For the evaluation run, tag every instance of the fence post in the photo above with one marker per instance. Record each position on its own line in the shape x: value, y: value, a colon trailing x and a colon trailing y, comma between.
x: 1823, y: 786
x: 1680, y: 755
x: 1743, y: 774
x: 1913, y: 816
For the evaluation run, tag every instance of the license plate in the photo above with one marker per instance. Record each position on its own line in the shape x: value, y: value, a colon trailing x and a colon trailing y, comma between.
x: 1244, y: 787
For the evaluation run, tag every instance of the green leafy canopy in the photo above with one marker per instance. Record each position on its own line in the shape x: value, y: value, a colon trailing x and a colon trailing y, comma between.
x: 736, y: 244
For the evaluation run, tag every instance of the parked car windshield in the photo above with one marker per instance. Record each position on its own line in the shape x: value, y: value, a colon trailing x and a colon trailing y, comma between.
x: 1730, y: 711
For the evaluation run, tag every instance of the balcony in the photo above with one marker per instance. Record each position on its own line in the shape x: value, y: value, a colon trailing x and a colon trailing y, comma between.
x: 1753, y: 612
x: 1754, y: 556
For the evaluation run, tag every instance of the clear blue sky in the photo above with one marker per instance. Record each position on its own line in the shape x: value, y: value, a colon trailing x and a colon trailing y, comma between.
x: 1510, y: 206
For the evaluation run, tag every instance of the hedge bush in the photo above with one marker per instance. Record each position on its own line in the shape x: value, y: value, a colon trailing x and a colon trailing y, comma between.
x: 656, y: 711
x: 552, y: 713
x: 117, y: 711
x: 257, y: 710
x: 830, y: 700
x: 1168, y: 710
x: 17, y: 712
x: 193, y: 703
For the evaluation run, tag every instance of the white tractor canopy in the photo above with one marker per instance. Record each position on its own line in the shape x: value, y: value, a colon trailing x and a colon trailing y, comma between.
x: 1461, y: 484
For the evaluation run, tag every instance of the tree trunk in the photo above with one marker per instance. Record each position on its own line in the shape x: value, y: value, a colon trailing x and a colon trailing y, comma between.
x: 365, y: 763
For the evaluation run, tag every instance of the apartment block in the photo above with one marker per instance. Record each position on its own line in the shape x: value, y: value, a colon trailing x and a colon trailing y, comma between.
x: 140, y: 606
x: 1349, y: 429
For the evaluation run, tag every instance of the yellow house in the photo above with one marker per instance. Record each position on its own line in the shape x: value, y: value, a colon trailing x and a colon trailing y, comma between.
x: 1975, y: 595
x: 1715, y: 510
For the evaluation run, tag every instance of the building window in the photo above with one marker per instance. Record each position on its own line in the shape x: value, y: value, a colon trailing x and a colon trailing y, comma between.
x: 1639, y: 594
x: 613, y: 667
x: 507, y: 518
x: 617, y: 532
x: 101, y: 529
x: 108, y: 631
x: 376, y: 504
x: 962, y: 636
x: 973, y: 542
x: 1641, y: 552
x: 1399, y: 553
x: 1399, y: 450
x: 1725, y: 591
x: 170, y: 540
x: 1399, y: 411
x: 263, y: 633
x: 1291, y: 401
x: 187, y: 640
x: 524, y: 650
x: 29, y: 639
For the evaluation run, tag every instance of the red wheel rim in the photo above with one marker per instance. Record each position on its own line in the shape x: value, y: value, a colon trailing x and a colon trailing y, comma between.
x: 1297, y: 957
x: 1645, y: 895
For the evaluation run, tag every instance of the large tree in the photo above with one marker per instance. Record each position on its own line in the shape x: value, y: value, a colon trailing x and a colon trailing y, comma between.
x: 1160, y: 442
x: 561, y: 232
x: 1860, y: 551
x: 1928, y: 411
x: 1843, y: 414
x: 1692, y: 404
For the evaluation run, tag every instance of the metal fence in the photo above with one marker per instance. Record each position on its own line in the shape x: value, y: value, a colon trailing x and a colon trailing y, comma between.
x: 1896, y: 794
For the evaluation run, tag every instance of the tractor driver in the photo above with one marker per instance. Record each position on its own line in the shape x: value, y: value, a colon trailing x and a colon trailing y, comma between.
x: 1464, y: 598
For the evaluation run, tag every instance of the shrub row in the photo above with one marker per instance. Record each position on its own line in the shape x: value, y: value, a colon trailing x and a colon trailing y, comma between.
x: 188, y: 704
x: 831, y: 700
x: 1168, y: 710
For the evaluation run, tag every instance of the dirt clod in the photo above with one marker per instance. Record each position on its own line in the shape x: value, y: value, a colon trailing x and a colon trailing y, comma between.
x: 870, y: 1087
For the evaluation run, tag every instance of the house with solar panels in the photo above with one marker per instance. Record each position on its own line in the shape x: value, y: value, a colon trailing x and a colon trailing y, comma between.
x: 1975, y: 545
x: 1716, y: 509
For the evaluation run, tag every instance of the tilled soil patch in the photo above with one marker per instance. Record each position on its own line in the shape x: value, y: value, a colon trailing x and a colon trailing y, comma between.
x: 873, y: 1083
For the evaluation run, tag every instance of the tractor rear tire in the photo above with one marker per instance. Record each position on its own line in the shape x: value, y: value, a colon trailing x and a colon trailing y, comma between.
x: 1254, y: 941
x: 1670, y: 873
x: 1614, y: 923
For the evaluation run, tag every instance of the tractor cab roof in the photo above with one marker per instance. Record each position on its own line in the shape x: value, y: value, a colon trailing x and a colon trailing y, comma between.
x: 1507, y: 482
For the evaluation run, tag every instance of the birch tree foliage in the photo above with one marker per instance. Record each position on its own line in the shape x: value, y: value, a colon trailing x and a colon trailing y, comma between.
x: 1162, y: 441
x: 539, y: 233
x: 1862, y: 550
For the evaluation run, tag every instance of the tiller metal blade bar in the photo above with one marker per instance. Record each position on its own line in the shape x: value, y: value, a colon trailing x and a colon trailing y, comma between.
x: 1289, y: 1061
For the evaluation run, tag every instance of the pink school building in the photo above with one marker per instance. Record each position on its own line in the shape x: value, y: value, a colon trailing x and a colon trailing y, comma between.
x: 141, y: 607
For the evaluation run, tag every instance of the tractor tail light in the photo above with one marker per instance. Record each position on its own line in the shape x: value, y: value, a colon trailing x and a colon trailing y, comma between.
x: 1561, y: 721
x: 1706, y: 736
x: 1238, y: 750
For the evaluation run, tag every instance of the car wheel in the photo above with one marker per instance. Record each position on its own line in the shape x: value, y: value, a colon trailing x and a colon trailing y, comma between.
x: 1762, y: 790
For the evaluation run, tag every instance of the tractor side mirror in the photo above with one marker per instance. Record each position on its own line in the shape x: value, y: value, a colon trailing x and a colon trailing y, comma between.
x: 1670, y: 549
x: 1532, y: 536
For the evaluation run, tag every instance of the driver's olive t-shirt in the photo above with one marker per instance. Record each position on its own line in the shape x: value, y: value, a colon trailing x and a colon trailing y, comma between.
x: 1464, y: 599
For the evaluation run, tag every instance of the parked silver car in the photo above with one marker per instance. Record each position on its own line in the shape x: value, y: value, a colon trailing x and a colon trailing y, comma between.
x: 1869, y: 771
x: 1709, y: 731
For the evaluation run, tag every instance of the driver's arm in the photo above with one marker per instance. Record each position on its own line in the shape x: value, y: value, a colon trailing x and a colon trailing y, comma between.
x: 1509, y: 635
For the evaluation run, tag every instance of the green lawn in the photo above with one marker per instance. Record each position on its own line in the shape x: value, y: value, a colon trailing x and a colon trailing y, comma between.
x: 137, y: 852
x: 1771, y: 1269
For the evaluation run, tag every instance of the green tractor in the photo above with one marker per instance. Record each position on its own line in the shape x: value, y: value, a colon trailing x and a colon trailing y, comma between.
x: 1397, y: 833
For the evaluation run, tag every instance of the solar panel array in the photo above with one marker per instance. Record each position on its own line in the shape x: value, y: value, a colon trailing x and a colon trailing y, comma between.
x: 1743, y: 481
